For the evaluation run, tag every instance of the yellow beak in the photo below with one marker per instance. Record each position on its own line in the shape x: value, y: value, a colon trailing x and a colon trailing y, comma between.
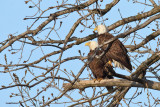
x: 95, y: 28
x: 87, y: 44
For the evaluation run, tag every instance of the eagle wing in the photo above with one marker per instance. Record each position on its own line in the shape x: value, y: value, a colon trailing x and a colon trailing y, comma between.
x: 117, y: 51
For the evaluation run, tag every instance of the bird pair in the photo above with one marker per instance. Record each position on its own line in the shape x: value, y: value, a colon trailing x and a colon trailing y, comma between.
x: 117, y: 53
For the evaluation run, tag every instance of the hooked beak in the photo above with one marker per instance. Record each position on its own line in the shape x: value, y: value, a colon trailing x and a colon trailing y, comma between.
x: 95, y: 28
x: 87, y: 44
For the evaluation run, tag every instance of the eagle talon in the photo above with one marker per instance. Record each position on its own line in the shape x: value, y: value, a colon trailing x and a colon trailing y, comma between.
x: 98, y: 79
x: 94, y: 80
x: 110, y: 63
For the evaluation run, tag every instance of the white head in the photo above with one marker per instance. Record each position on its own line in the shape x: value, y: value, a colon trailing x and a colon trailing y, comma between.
x: 92, y: 45
x: 101, y: 29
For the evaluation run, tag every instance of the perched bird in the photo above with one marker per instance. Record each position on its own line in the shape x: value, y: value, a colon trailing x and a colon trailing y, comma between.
x: 117, y: 53
x: 99, y: 68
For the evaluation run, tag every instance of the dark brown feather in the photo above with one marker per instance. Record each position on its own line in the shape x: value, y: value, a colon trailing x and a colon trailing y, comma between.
x: 117, y: 51
x: 99, y: 68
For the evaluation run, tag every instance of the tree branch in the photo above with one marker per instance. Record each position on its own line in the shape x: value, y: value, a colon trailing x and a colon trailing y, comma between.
x: 146, y: 40
x: 134, y: 18
x: 50, y: 18
x: 112, y: 82
x: 153, y: 2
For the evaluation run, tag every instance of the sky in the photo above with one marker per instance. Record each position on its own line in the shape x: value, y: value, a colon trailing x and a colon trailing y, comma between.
x: 11, y: 20
x: 14, y: 11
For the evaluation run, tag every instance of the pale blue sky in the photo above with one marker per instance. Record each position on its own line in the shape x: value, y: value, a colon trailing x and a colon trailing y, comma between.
x: 11, y: 21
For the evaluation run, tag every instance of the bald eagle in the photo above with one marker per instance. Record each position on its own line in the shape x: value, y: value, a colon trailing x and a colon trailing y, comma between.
x: 99, y: 68
x: 117, y: 53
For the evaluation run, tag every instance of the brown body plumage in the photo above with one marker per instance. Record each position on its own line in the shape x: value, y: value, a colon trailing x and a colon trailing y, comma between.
x: 99, y: 68
x: 117, y: 51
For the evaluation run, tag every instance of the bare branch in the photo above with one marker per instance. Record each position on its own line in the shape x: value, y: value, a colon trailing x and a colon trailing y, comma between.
x: 153, y: 2
x: 146, y: 40
x: 112, y: 82
x: 134, y: 18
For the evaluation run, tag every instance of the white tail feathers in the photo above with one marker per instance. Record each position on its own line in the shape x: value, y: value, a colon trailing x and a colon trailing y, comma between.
x: 119, y: 65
